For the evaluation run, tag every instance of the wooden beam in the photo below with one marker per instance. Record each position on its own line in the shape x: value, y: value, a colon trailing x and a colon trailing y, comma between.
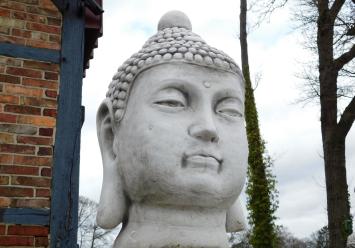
x: 60, y: 4
x: 26, y: 216
x: 25, y: 52
x: 65, y: 180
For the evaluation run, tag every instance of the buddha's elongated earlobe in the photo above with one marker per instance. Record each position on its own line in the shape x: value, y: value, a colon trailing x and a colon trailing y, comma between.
x: 113, y: 204
x: 235, y: 220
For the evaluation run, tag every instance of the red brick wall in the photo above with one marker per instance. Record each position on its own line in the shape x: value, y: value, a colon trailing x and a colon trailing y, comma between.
x: 35, y: 23
x: 28, y: 108
x: 23, y: 235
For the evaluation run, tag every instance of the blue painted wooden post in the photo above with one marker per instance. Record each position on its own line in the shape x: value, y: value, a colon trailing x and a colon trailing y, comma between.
x: 60, y: 4
x: 25, y: 52
x: 65, y: 181
x: 28, y: 216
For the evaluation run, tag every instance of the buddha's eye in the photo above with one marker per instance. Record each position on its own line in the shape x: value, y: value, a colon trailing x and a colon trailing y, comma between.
x: 170, y: 99
x: 229, y: 107
x: 230, y: 111
x: 170, y: 103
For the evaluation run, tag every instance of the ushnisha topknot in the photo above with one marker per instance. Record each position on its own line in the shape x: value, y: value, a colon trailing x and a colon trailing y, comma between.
x: 174, y: 41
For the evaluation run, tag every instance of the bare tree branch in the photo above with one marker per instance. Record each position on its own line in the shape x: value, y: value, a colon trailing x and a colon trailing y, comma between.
x: 344, y: 58
x: 336, y: 7
x: 265, y: 9
x: 257, y: 79
x: 347, y: 73
x: 346, y: 119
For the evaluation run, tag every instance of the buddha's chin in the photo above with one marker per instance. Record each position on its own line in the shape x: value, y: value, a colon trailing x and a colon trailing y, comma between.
x: 195, y: 189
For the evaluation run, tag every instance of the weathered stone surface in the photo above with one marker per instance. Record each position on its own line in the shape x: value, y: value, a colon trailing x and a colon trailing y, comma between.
x: 173, y: 143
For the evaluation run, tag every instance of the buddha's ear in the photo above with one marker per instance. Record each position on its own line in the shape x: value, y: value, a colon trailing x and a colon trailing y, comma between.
x: 235, y: 220
x: 113, y: 203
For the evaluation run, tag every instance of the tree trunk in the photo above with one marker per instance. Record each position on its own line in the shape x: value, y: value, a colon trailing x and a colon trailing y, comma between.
x: 243, y: 36
x: 337, y: 194
x: 260, y: 207
x: 333, y: 142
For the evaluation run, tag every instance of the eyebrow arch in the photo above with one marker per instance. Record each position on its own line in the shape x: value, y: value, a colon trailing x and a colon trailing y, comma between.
x: 173, y: 82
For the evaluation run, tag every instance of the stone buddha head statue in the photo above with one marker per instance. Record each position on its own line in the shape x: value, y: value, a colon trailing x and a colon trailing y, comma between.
x: 173, y: 143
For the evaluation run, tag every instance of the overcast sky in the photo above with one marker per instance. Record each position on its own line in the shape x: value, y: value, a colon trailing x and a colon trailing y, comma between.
x: 292, y: 131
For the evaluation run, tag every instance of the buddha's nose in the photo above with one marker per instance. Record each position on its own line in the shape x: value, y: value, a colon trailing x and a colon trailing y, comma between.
x: 204, y: 128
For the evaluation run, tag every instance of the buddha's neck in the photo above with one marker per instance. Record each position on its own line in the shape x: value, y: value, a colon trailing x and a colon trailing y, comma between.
x: 157, y: 226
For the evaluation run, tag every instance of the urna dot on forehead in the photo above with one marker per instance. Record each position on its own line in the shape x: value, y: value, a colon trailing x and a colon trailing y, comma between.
x: 174, y: 41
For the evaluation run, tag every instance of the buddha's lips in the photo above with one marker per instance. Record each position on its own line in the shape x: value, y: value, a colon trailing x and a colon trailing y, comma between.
x: 202, y: 161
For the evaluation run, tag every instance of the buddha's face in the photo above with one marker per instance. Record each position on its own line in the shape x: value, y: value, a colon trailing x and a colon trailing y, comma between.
x: 182, y: 140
